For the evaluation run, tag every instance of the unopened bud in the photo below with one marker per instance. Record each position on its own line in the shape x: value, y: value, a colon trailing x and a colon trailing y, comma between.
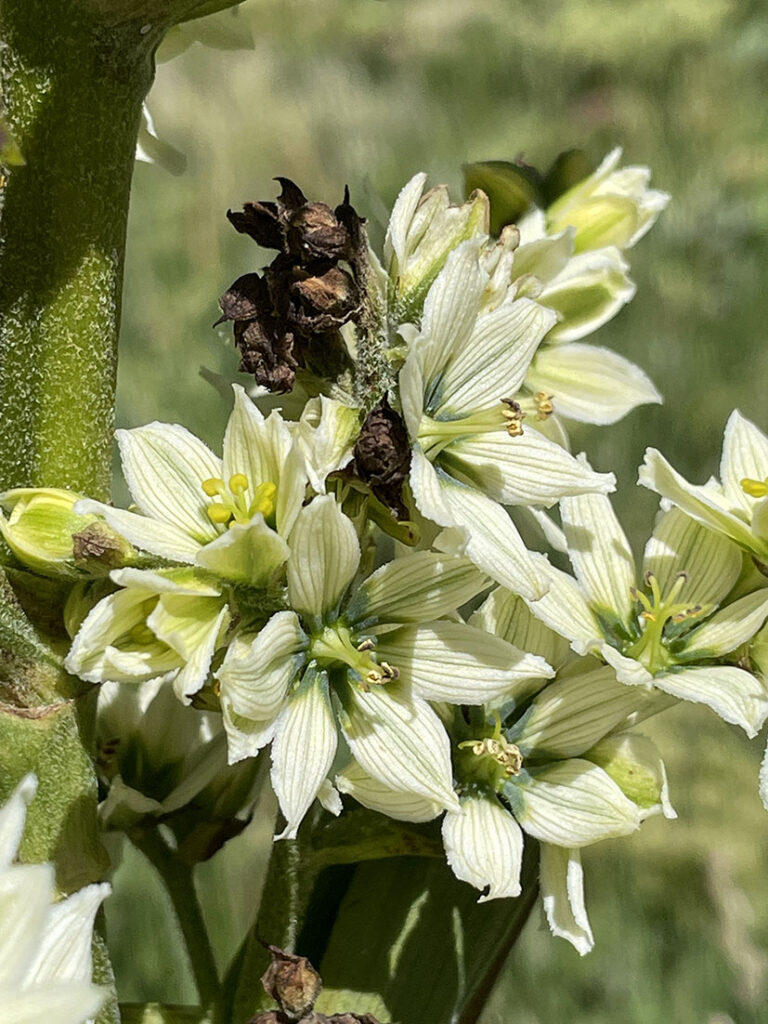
x: 40, y: 526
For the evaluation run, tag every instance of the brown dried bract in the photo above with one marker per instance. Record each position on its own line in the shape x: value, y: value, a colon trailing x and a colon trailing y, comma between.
x: 383, y: 457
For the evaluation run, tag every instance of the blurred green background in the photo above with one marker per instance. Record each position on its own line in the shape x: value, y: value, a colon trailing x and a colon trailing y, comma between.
x: 366, y: 93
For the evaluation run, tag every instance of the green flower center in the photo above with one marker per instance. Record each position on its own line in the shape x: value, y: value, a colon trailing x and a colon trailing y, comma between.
x: 335, y: 646
x: 657, y: 611
x: 238, y: 502
x: 492, y: 759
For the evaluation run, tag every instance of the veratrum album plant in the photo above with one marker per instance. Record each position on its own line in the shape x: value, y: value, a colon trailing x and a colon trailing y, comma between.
x: 340, y: 605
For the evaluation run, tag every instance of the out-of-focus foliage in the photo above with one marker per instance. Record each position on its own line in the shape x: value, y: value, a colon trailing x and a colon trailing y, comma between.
x: 365, y: 93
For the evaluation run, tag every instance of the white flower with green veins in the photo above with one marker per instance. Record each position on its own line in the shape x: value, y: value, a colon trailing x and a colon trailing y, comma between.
x: 45, y: 946
x: 229, y: 516
x: 368, y: 663
x: 735, y: 507
x: 669, y: 630
x: 471, y: 453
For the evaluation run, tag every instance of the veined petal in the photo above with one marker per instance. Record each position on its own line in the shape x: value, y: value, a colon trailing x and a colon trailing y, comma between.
x: 507, y: 615
x: 400, y: 219
x: 66, y: 1002
x: 181, y: 580
x: 703, y: 504
x: 245, y: 737
x: 745, y: 455
x: 570, y: 715
x: 564, y: 609
x: 484, y: 846
x: 634, y: 764
x: 303, y: 748
x: 525, y: 470
x: 402, y: 805
x: 326, y: 436
x: 26, y: 893
x: 325, y: 554
x: 183, y: 623
x: 489, y: 537
x: 416, y: 588
x: 256, y: 674
x: 587, y: 293
x: 64, y: 952
x: 590, y: 384
x: 411, y: 384
x: 248, y: 553
x: 544, y: 257
x: 200, y: 640
x: 452, y: 662
x: 628, y: 671
x: 600, y: 554
x: 12, y: 817
x: 164, y: 467
x: 562, y: 892
x: 571, y: 803
x: 494, y: 361
x: 727, y: 629
x: 734, y: 695
x: 158, y: 538
x: 710, y: 561
x: 400, y: 741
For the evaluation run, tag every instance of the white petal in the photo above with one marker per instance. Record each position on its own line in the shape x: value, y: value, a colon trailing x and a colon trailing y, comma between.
x: 634, y: 763
x: 400, y: 219
x: 248, y: 553
x: 326, y: 435
x: 570, y: 715
x: 571, y: 803
x: 303, y: 749
x: 507, y: 615
x: 64, y: 953
x: 166, y: 581
x: 564, y: 609
x: 325, y: 554
x: 245, y: 738
x: 733, y: 694
x: 12, y: 816
x: 402, y: 805
x: 763, y: 781
x: 525, y: 470
x: 727, y: 629
x: 590, y: 384
x: 588, y: 292
x: 256, y: 674
x: 600, y: 554
x: 399, y: 741
x: 494, y: 361
x: 452, y: 662
x: 484, y: 846
x: 490, y: 538
x: 710, y: 561
x: 193, y: 627
x: 416, y: 588
x: 68, y: 1002
x: 628, y: 671
x: 745, y: 455
x: 26, y: 892
x: 158, y: 538
x: 164, y: 467
x: 703, y: 504
x: 562, y: 892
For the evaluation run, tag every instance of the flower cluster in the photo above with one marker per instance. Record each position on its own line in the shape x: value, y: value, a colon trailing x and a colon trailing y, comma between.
x: 348, y: 587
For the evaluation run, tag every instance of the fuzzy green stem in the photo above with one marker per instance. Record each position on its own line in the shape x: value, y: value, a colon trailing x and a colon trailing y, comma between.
x: 178, y: 880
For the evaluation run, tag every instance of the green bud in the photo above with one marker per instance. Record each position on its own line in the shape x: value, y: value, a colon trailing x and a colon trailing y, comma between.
x: 599, y: 221
x: 633, y: 763
x: 512, y: 188
x: 568, y: 169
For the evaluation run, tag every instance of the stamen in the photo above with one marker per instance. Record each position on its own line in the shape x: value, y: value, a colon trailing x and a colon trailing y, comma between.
x: 238, y: 483
x: 499, y: 750
x: 219, y: 514
x: 213, y: 486
x: 514, y: 416
x: 754, y: 488
x: 544, y: 406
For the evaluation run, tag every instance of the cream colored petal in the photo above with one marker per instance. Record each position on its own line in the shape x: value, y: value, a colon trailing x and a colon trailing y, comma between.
x: 506, y: 615
x: 745, y: 455
x: 727, y: 629
x: 588, y: 292
x: 402, y: 805
x: 484, y: 846
x: 64, y: 952
x: 12, y: 817
x: 634, y: 764
x: 248, y: 553
x: 564, y: 609
x: 325, y: 554
x: 734, y: 695
x: 562, y: 892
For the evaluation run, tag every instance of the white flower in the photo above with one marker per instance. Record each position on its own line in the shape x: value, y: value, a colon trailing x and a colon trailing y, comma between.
x: 737, y: 506
x: 372, y: 662
x: 471, y: 455
x: 45, y: 947
x: 228, y: 515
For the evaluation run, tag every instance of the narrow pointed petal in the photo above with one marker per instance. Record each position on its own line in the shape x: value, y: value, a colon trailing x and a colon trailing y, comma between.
x: 256, y: 673
x: 703, y: 504
x: 562, y: 892
x: 416, y: 588
x: 325, y: 554
x: 164, y: 467
x: 745, y: 455
x: 12, y: 817
x: 484, y: 846
x: 326, y: 436
x: 200, y: 641
x: 763, y: 781
x: 600, y: 554
x: 26, y: 893
x: 67, y: 1002
x: 402, y: 805
x: 570, y: 715
x: 525, y: 470
x: 158, y: 538
x: 571, y: 803
x: 64, y: 953
x: 495, y: 359
x: 245, y: 737
x: 489, y: 537
x: 452, y: 662
x: 734, y: 695
x: 303, y: 749
x: 564, y: 609
x: 401, y: 217
x: 710, y: 561
x: 400, y: 741
x: 248, y: 553
x: 634, y: 764
x: 507, y: 615
x: 181, y: 580
x: 727, y: 629
x: 628, y: 671
x: 590, y: 384
x: 588, y: 292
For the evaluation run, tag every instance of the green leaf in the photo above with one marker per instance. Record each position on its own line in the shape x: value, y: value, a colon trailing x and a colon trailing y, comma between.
x: 568, y: 169
x: 511, y: 188
x: 157, y: 1013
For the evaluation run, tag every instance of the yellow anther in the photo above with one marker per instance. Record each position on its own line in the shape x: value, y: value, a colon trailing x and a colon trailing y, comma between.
x: 389, y: 671
x: 219, y: 514
x: 264, y: 499
x: 213, y: 486
x: 514, y: 416
x: 544, y: 406
x: 216, y: 688
x: 365, y: 645
x: 238, y: 483
x: 754, y: 488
